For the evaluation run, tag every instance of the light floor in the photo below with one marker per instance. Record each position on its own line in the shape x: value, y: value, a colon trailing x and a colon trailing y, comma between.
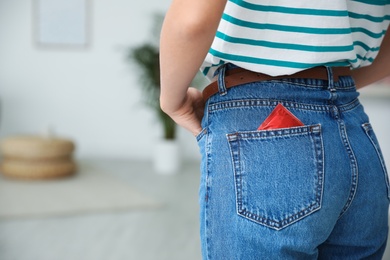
x: 170, y: 232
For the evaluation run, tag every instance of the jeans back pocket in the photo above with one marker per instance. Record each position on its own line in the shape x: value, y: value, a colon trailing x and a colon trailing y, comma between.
x: 278, y: 174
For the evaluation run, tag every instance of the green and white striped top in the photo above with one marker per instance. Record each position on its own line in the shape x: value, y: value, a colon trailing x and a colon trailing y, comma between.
x: 281, y: 37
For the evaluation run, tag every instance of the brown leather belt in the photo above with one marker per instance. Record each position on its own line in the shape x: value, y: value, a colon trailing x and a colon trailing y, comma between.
x: 239, y: 76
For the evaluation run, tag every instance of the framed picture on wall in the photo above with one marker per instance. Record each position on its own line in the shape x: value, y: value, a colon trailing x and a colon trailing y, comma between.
x: 61, y: 23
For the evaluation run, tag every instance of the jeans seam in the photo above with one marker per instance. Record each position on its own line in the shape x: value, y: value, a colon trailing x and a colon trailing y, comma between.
x: 289, y: 104
x: 353, y: 165
x: 352, y: 105
x: 266, y: 102
x: 207, y: 191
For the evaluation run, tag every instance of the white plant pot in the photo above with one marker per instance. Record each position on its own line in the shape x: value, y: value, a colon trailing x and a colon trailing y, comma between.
x: 166, y: 158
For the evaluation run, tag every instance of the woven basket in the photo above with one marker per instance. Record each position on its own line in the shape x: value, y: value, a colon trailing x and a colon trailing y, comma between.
x: 35, y: 157
x: 37, y: 169
x: 36, y: 147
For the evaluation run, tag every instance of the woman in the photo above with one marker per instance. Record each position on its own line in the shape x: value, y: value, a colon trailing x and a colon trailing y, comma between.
x: 291, y: 168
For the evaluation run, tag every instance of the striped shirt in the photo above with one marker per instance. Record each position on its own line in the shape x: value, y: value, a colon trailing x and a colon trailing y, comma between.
x: 282, y: 37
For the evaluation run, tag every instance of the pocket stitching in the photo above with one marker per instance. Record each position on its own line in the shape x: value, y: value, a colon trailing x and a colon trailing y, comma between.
x: 314, y: 131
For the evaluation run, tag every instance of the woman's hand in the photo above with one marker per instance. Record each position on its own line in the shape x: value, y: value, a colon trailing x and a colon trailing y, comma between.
x: 189, y: 115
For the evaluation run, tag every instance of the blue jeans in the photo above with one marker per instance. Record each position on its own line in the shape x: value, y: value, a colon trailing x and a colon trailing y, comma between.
x: 318, y: 191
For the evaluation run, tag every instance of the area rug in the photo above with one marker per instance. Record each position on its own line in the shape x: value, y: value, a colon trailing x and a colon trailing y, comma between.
x: 88, y: 191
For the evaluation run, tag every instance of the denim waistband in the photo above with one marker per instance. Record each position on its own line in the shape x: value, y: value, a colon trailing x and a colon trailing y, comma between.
x: 314, y: 94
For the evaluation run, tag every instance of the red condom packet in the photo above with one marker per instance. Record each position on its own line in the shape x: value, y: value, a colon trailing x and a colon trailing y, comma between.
x: 280, y: 117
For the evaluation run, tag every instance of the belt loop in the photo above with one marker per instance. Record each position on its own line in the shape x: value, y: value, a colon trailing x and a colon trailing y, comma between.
x: 221, y: 80
x: 330, y: 78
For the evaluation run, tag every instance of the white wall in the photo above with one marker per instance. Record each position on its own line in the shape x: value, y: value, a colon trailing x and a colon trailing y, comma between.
x: 90, y: 95
x: 377, y: 106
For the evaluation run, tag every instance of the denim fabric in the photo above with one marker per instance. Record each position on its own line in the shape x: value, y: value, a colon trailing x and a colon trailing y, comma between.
x: 318, y: 191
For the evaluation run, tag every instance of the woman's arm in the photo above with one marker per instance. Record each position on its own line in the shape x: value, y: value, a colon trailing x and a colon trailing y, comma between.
x: 187, y: 34
x: 378, y: 70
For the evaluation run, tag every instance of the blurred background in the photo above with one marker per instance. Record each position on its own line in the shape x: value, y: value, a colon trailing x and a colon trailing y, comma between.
x: 90, y: 93
x: 80, y: 86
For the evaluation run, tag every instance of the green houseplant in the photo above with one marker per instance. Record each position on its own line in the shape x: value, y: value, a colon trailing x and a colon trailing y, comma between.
x: 166, y: 155
x: 146, y: 57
